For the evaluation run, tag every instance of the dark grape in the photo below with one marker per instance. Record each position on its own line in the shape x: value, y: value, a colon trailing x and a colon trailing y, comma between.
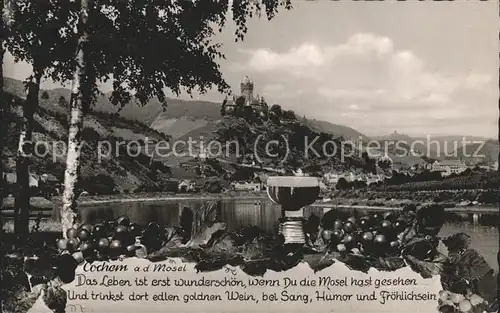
x: 337, y: 224
x: 349, y: 227
x: 134, y: 229
x: 447, y: 309
x: 364, y: 223
x: 65, y: 269
x: 71, y: 233
x: 87, y: 227
x: 123, y: 220
x: 73, y: 244
x: 103, y: 244
x: 84, y: 234
x: 37, y: 280
x: 99, y: 230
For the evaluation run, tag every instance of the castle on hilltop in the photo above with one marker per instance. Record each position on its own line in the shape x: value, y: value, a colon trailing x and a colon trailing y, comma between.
x: 246, y: 99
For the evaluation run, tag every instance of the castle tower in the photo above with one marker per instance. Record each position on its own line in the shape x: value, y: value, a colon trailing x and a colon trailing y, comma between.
x: 246, y: 87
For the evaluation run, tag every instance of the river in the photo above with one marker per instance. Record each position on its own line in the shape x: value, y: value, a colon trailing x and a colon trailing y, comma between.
x: 264, y: 214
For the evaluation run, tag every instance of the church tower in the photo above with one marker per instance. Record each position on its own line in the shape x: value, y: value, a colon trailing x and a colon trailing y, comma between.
x: 246, y: 88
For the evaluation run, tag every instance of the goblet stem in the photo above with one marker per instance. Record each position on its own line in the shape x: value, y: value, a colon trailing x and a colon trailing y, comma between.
x: 292, y: 227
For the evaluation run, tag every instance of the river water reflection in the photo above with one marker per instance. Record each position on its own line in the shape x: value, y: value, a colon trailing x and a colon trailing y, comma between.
x: 264, y: 214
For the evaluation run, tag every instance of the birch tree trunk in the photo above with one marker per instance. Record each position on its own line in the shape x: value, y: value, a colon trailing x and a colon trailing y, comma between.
x: 498, y: 199
x: 24, y: 152
x: 69, y: 210
x: 3, y: 132
x: 3, y: 113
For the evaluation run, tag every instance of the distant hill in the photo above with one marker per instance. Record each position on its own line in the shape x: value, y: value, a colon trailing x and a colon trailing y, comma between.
x: 446, y: 147
x: 51, y: 126
x: 483, y: 152
x: 183, y: 120
x: 395, y: 136
x: 192, y: 119
x: 335, y: 129
x: 154, y: 113
x: 181, y: 117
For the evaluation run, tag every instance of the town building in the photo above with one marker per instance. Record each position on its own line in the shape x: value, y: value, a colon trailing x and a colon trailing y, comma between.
x: 190, y: 166
x: 448, y: 167
x: 373, y: 179
x: 323, y: 186
x: 48, y: 178
x: 428, y: 166
x: 246, y: 186
x: 49, y: 184
x: 332, y: 177
x: 11, y: 179
x: 187, y: 186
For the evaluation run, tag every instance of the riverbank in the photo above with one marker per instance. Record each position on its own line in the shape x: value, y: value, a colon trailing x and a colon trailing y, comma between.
x: 383, y: 203
x: 50, y: 224
x: 40, y: 203
x: 162, y: 196
x: 343, y: 198
x: 459, y: 197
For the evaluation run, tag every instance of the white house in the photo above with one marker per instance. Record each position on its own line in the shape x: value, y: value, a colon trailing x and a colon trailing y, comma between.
x: 350, y: 177
x: 186, y: 186
x: 448, y: 167
x: 322, y: 186
x: 332, y: 177
x: 11, y: 178
x: 247, y: 186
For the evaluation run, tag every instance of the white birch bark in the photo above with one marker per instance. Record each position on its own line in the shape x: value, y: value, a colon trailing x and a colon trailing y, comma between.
x: 69, y: 210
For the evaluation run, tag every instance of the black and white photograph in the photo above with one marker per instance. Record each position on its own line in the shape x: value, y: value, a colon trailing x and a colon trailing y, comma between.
x: 255, y: 154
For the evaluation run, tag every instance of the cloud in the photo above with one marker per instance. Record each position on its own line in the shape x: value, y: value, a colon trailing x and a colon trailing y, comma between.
x: 264, y: 60
x: 477, y: 81
x: 365, y: 78
x: 309, y: 56
x: 280, y: 92
x: 274, y: 88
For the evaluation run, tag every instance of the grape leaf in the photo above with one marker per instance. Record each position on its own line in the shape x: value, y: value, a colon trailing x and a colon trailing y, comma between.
x: 493, y: 306
x: 457, y: 242
x: 472, y: 265
x: 318, y: 262
x: 211, y: 265
x: 424, y: 268
x: 487, y: 286
x: 254, y: 268
x: 388, y: 264
x: 280, y: 262
x: 54, y: 297
x: 421, y: 248
x: 20, y: 300
x: 356, y: 262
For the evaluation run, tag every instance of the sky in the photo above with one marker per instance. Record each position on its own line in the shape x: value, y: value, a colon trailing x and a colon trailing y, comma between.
x: 419, y: 68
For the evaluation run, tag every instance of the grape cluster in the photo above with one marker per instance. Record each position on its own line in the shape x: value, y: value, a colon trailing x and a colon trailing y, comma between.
x: 376, y: 234
x: 450, y: 302
x: 110, y: 240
